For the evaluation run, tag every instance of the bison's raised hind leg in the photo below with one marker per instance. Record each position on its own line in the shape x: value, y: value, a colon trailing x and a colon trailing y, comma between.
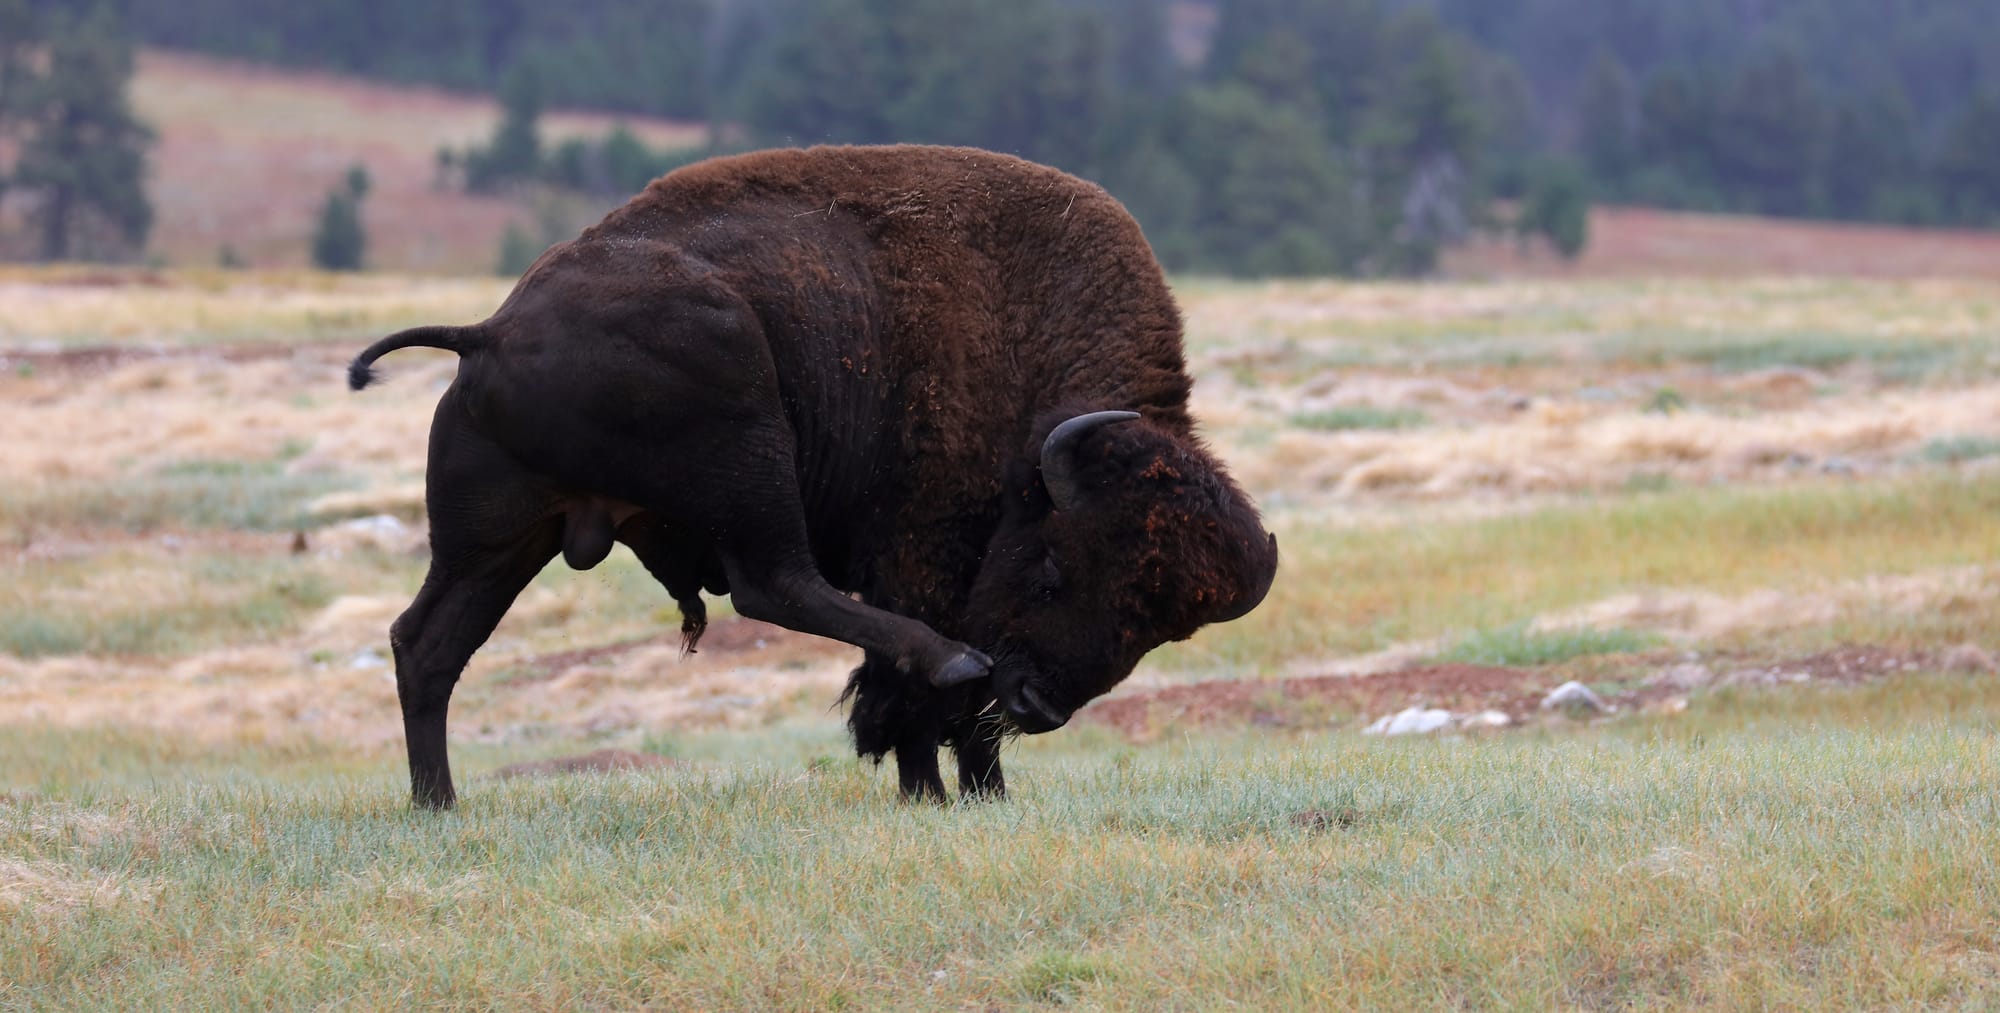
x: 453, y: 614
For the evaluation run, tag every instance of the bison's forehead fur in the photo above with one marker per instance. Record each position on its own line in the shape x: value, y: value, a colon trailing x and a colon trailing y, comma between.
x: 1165, y: 539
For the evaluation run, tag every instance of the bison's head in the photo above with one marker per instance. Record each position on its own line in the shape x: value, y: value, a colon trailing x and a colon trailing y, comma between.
x: 1118, y: 536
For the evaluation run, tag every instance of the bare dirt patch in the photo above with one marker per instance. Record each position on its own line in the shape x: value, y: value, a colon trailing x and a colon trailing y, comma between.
x: 1633, y: 242
x: 1332, y: 700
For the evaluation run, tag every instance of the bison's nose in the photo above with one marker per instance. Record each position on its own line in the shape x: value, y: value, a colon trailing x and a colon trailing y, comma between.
x: 1032, y: 714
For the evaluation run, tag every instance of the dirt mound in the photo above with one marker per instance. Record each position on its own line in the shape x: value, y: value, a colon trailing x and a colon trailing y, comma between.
x: 1645, y: 242
x: 1326, y: 700
x: 600, y: 761
x: 1323, y: 699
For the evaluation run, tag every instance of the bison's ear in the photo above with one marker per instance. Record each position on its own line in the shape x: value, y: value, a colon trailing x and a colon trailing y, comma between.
x: 1059, y: 467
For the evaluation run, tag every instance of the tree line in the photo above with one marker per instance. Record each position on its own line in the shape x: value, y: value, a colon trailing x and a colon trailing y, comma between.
x: 1248, y: 136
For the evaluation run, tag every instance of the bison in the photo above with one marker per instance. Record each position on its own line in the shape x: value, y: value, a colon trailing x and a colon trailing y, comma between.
x: 927, y: 401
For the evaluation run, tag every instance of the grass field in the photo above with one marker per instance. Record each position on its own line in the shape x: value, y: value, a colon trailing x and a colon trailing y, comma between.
x: 1759, y: 516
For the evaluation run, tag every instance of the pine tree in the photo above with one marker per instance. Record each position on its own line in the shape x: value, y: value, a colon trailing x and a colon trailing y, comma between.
x: 515, y: 152
x: 1557, y: 206
x: 84, y: 151
x: 340, y: 242
x: 517, y: 252
x: 1968, y: 165
x: 1773, y: 132
x: 1606, y: 125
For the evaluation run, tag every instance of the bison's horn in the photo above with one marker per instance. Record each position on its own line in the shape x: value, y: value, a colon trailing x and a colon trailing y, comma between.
x: 1059, y: 455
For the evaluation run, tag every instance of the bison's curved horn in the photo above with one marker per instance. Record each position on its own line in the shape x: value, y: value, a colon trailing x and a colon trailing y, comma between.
x: 1059, y: 455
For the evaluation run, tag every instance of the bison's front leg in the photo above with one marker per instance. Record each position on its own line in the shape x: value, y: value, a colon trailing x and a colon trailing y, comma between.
x: 977, y: 744
x: 890, y: 716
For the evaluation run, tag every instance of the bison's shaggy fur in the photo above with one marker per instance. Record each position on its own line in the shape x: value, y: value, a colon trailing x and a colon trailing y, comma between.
x: 793, y: 374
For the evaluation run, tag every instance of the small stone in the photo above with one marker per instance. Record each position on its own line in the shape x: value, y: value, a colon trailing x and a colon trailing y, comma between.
x: 367, y: 657
x: 1574, y: 695
x: 1412, y: 721
x: 1968, y: 659
x: 1683, y: 677
x: 1486, y: 719
x: 1669, y: 706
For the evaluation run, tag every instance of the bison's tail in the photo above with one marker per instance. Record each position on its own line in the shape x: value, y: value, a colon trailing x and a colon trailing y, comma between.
x: 361, y: 372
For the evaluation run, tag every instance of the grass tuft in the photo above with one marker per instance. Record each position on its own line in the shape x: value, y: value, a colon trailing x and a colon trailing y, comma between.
x: 1958, y: 449
x: 198, y: 494
x: 1517, y: 644
x: 1348, y: 417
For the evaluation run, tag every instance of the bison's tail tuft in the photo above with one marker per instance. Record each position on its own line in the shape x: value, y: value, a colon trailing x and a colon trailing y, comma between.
x: 361, y: 372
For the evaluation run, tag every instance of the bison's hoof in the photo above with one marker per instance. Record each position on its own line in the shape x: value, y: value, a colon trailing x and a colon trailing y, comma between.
x: 964, y: 668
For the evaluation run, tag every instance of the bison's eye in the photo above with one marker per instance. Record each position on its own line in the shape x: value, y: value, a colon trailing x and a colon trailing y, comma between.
x: 1049, y: 578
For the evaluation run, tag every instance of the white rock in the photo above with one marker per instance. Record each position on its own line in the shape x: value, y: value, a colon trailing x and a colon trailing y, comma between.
x: 1575, y: 694
x: 1486, y: 719
x: 367, y: 657
x: 1412, y: 721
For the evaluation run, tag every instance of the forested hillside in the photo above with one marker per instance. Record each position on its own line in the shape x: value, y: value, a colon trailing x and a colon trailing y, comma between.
x: 1260, y: 136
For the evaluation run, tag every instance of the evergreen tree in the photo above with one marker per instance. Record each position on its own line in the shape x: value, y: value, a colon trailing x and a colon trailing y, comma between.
x: 83, y: 153
x: 515, y: 153
x: 1275, y: 198
x: 517, y: 252
x: 1968, y: 166
x: 340, y: 242
x: 1871, y: 167
x: 1557, y: 207
x: 1424, y: 141
x: 824, y: 71
x: 1677, y: 124
x: 18, y: 35
x: 1606, y: 126
x: 1773, y: 133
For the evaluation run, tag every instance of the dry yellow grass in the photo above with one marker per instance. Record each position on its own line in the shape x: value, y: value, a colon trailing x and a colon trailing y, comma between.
x: 196, y: 404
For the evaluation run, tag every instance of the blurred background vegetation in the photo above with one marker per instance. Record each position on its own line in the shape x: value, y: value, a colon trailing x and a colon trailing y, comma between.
x: 1250, y: 137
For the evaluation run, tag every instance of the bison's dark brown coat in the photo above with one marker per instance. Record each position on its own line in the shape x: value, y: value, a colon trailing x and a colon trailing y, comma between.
x: 793, y: 374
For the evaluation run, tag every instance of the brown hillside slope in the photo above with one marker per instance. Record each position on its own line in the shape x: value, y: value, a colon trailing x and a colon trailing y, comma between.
x: 248, y: 153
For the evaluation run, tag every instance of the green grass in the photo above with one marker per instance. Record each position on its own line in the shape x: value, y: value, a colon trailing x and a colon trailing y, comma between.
x: 1958, y: 449
x: 154, y: 605
x: 1516, y: 644
x: 200, y: 494
x: 1802, y: 850
x: 1351, y: 589
x: 1361, y: 417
